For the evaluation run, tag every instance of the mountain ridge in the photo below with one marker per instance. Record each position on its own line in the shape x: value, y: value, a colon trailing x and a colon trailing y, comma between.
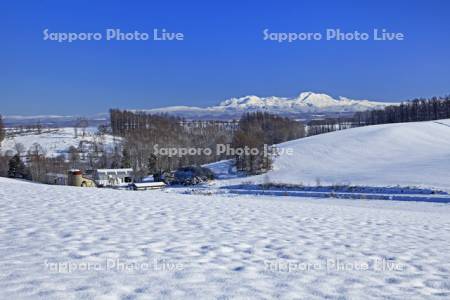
x: 306, y: 103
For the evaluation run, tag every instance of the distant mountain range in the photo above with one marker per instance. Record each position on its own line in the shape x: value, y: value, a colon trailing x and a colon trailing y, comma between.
x: 306, y: 105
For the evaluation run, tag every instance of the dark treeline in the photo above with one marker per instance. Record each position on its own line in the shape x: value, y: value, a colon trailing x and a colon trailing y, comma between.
x: 29, y: 129
x: 145, y: 135
x: 411, y: 111
x: 329, y: 124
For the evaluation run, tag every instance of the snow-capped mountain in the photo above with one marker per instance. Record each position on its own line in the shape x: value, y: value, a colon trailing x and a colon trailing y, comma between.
x: 305, y: 102
x: 305, y: 105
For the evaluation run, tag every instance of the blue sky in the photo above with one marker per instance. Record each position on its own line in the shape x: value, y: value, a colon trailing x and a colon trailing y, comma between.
x: 223, y: 54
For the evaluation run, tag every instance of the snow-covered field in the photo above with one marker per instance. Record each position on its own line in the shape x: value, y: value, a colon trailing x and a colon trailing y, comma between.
x: 61, y: 242
x: 404, y: 154
x: 56, y: 142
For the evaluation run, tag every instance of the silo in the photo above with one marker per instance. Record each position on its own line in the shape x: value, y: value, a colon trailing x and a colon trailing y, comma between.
x: 74, y: 178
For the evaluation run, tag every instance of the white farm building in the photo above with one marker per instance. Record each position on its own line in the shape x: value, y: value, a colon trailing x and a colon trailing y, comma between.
x: 113, y: 177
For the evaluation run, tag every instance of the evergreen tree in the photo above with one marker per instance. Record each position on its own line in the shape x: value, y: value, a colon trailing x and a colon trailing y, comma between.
x: 16, y: 168
x: 126, y: 160
x: 2, y: 130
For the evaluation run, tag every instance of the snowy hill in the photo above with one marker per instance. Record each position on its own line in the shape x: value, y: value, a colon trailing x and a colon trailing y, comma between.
x: 405, y: 154
x: 303, y: 105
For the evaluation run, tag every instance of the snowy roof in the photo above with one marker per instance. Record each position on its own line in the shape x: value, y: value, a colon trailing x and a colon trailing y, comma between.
x: 148, y: 184
x: 128, y: 170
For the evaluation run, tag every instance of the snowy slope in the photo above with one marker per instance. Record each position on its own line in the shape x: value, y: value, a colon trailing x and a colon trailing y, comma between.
x: 56, y: 142
x: 406, y: 154
x: 222, y: 247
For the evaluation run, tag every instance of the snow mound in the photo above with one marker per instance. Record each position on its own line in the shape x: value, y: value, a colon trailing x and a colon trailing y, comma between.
x: 405, y: 154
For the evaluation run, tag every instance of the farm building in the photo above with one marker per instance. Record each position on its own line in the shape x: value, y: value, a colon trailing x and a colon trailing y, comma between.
x: 112, y: 177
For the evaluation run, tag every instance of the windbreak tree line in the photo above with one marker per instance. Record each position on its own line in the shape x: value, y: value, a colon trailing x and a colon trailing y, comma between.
x: 412, y: 111
x: 149, y: 141
x: 320, y: 126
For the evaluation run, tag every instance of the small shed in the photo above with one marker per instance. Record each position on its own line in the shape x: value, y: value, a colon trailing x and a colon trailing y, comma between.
x: 142, y: 186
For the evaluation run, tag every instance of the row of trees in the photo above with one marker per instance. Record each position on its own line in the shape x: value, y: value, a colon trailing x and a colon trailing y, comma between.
x: 411, y: 111
x: 143, y: 133
x: 329, y: 124
x: 37, y: 128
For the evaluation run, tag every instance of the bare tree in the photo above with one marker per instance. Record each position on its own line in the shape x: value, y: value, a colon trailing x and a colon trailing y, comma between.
x: 19, y: 148
x: 74, y: 157
x: 37, y: 162
x: 82, y: 123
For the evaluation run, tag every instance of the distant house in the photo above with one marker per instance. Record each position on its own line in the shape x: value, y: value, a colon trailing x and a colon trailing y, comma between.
x: 113, y: 177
